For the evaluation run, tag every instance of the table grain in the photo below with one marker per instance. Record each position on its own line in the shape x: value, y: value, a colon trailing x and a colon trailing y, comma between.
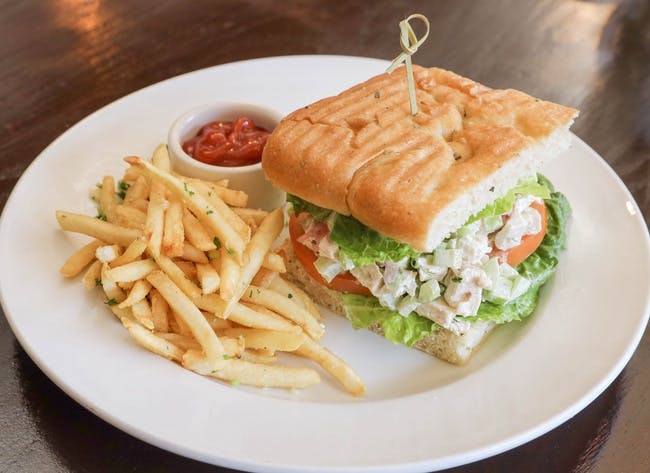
x: 62, y: 59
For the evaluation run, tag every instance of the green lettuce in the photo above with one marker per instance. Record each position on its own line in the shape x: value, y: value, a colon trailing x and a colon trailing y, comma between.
x: 300, y: 206
x: 538, y: 268
x: 357, y: 243
x: 364, y: 311
x: 362, y: 245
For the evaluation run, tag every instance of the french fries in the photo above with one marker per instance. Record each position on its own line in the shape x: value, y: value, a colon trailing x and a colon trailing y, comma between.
x: 191, y: 274
x: 216, y: 217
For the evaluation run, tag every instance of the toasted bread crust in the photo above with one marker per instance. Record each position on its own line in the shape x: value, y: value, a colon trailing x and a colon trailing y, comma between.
x: 363, y: 153
x: 443, y: 344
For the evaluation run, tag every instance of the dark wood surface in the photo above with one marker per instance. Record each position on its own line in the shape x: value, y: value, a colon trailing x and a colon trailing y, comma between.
x: 62, y: 59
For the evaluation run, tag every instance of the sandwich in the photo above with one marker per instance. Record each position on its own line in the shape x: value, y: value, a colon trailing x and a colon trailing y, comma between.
x: 429, y: 229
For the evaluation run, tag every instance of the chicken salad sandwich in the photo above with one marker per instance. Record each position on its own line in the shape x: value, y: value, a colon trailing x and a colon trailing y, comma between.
x: 430, y: 229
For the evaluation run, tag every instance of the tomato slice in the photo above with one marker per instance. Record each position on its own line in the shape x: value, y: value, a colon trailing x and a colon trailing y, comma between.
x: 529, y: 243
x: 344, y: 282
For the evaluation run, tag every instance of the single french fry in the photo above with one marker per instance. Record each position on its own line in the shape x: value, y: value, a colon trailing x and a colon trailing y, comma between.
x: 231, y: 197
x: 255, y: 252
x: 191, y: 315
x: 160, y: 158
x: 264, y: 277
x: 159, y: 311
x: 256, y: 215
x: 173, y: 231
x: 274, y: 262
x: 211, y: 216
x: 191, y: 253
x: 188, y: 268
x: 208, y: 278
x: 130, y: 216
x: 133, y: 271
x: 140, y: 204
x: 252, y: 374
x: 215, y: 322
x: 262, y: 351
x: 132, y: 252
x: 109, y: 233
x: 229, y: 275
x: 141, y: 311
x: 114, y: 294
x: 152, y: 342
x: 196, y: 233
x: 247, y: 315
x: 334, y: 365
x: 132, y: 173
x: 254, y: 357
x: 184, y: 342
x: 80, y: 259
x: 233, y: 348
x: 107, y: 199
x: 284, y: 306
x: 252, y: 224
x: 121, y: 313
x: 92, y: 276
x: 179, y: 278
x: 138, y: 292
x: 176, y: 325
x: 154, y: 226
x: 260, y: 339
x: 127, y: 286
x: 299, y: 296
x: 137, y: 192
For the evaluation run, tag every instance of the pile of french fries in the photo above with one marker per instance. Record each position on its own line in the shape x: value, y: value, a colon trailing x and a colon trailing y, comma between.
x: 192, y: 275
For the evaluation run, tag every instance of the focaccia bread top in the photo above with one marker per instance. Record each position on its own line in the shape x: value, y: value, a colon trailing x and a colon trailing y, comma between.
x: 414, y: 178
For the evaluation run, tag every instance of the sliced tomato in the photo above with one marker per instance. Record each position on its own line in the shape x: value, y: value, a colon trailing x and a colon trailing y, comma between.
x: 344, y: 282
x: 529, y: 243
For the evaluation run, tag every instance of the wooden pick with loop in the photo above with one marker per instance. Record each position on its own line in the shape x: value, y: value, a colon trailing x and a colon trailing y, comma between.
x: 410, y: 44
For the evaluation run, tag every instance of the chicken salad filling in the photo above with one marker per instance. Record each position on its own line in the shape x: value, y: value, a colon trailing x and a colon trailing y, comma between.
x: 466, y: 278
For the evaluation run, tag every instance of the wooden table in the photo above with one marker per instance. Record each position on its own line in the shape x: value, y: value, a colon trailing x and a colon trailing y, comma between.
x: 62, y: 59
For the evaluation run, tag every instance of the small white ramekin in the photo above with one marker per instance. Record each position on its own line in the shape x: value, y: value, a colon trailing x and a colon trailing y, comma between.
x: 250, y: 179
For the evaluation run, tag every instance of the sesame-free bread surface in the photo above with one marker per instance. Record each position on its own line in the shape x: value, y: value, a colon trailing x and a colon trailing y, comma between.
x: 443, y: 344
x: 414, y: 178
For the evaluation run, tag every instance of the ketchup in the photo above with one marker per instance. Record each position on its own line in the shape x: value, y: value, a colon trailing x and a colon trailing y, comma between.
x: 230, y: 144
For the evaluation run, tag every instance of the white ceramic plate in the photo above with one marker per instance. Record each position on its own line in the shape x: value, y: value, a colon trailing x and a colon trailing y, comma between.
x: 419, y: 413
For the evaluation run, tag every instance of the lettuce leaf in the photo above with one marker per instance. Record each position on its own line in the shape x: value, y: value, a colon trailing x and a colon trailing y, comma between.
x: 364, y: 311
x: 358, y: 243
x: 362, y: 245
x: 300, y: 206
